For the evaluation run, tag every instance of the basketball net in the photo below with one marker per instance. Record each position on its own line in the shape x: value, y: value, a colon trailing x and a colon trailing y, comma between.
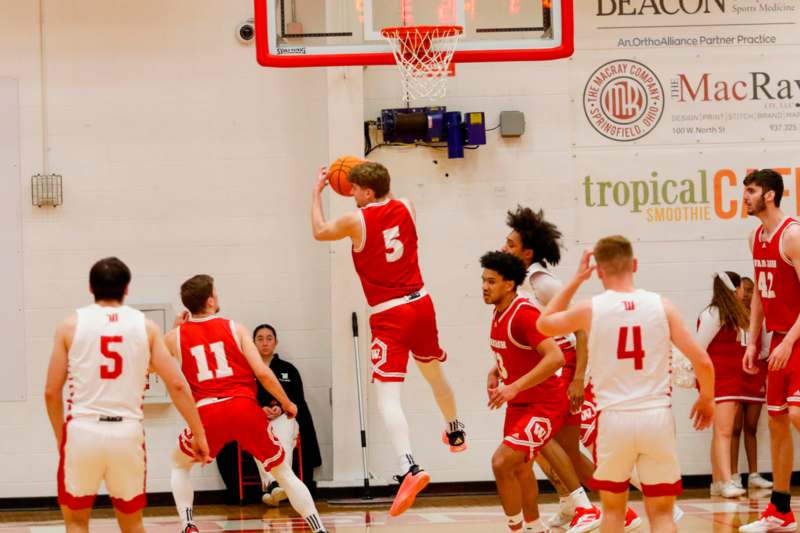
x: 423, y: 55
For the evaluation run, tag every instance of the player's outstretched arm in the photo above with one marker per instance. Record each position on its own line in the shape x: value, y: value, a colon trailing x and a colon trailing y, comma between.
x: 57, y: 376
x: 703, y: 410
x: 263, y: 373
x: 552, y: 360
x: 164, y: 365
x: 348, y: 225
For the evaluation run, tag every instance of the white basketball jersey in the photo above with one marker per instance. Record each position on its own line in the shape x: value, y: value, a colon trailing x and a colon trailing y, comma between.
x: 630, y: 351
x: 108, y: 363
x: 528, y: 290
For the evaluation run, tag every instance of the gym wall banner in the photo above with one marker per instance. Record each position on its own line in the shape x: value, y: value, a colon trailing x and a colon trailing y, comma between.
x: 694, y: 24
x: 680, y: 98
x: 675, y: 194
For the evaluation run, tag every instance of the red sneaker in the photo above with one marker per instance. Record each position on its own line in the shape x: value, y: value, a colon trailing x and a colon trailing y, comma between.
x: 585, y: 519
x: 632, y: 520
x: 411, y: 484
x: 771, y: 520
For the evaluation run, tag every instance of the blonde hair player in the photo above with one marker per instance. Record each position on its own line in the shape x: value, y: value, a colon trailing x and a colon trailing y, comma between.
x: 401, y: 314
x: 630, y: 336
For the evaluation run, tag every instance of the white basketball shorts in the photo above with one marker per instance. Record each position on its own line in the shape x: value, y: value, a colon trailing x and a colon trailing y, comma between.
x: 642, y: 438
x: 93, y: 451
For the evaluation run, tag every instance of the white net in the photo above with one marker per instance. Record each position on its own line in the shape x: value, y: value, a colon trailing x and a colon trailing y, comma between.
x: 423, y: 55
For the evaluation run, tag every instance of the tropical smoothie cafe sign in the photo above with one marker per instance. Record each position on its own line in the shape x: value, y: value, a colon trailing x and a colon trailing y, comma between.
x: 707, y: 194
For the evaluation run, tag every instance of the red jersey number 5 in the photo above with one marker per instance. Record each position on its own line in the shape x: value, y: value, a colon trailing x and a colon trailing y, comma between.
x: 636, y: 352
x: 113, y: 368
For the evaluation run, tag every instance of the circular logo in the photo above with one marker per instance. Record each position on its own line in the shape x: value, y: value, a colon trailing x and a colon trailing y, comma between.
x: 623, y: 100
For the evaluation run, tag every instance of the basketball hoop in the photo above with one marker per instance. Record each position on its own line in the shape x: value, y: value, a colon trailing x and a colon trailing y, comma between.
x: 423, y: 55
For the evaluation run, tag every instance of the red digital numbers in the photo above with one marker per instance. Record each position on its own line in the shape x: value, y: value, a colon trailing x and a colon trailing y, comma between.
x: 113, y: 369
x: 637, y: 352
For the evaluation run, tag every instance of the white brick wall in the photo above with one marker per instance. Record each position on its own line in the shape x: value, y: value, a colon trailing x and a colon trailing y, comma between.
x: 180, y: 156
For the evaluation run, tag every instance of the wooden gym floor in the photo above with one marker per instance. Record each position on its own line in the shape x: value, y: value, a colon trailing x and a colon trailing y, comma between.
x: 462, y: 514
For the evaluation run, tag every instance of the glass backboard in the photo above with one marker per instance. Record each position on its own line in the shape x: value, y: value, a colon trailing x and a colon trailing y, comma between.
x: 314, y: 33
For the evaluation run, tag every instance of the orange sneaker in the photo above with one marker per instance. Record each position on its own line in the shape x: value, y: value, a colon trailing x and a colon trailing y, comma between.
x: 411, y: 484
x: 456, y: 440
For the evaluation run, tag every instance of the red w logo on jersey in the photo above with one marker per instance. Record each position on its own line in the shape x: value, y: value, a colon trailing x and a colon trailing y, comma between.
x: 629, y: 305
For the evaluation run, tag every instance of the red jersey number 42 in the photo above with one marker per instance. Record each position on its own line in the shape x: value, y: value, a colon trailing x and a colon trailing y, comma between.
x: 636, y: 352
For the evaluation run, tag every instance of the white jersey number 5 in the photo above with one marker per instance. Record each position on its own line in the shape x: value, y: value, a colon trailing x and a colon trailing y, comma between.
x: 394, y: 247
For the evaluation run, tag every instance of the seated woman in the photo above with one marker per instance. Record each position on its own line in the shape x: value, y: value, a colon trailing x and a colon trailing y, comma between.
x: 284, y: 429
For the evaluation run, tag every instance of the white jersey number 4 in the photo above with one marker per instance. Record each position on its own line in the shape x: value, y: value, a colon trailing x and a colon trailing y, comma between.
x: 636, y: 352
x: 394, y: 247
x: 203, y: 372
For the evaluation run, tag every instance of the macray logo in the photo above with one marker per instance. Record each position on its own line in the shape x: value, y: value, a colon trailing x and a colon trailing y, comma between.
x: 623, y: 100
x: 607, y: 8
x: 754, y: 86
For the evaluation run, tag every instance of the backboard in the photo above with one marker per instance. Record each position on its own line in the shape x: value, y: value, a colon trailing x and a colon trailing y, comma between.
x: 324, y: 33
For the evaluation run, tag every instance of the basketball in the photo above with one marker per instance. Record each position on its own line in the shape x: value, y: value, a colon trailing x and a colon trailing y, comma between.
x: 338, y: 172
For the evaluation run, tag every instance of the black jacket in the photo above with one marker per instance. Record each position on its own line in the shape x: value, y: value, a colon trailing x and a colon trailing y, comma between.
x: 290, y: 379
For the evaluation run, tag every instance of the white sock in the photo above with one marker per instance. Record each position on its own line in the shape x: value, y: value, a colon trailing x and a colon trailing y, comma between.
x: 266, y: 477
x: 405, y: 462
x: 391, y: 409
x: 314, y: 522
x: 514, y: 522
x: 297, y: 492
x: 580, y: 499
x: 183, y: 492
x: 536, y: 526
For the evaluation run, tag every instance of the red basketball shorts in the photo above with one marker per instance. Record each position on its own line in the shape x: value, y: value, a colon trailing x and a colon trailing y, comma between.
x: 783, y: 386
x: 240, y: 420
x: 528, y: 427
x: 92, y: 451
x: 588, y: 418
x: 409, y: 327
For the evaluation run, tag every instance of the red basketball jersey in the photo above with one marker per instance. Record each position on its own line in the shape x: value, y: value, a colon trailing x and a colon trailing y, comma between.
x: 776, y: 279
x: 386, y: 260
x: 514, y: 339
x: 212, y: 360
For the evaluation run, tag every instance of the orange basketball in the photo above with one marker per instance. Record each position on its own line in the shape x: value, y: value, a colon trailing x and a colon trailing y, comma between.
x: 338, y: 172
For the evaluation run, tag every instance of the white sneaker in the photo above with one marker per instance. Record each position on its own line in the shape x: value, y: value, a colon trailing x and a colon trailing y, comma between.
x: 755, y: 481
x: 677, y: 513
x: 564, y: 514
x: 737, y: 480
x: 715, y: 489
x: 728, y: 489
